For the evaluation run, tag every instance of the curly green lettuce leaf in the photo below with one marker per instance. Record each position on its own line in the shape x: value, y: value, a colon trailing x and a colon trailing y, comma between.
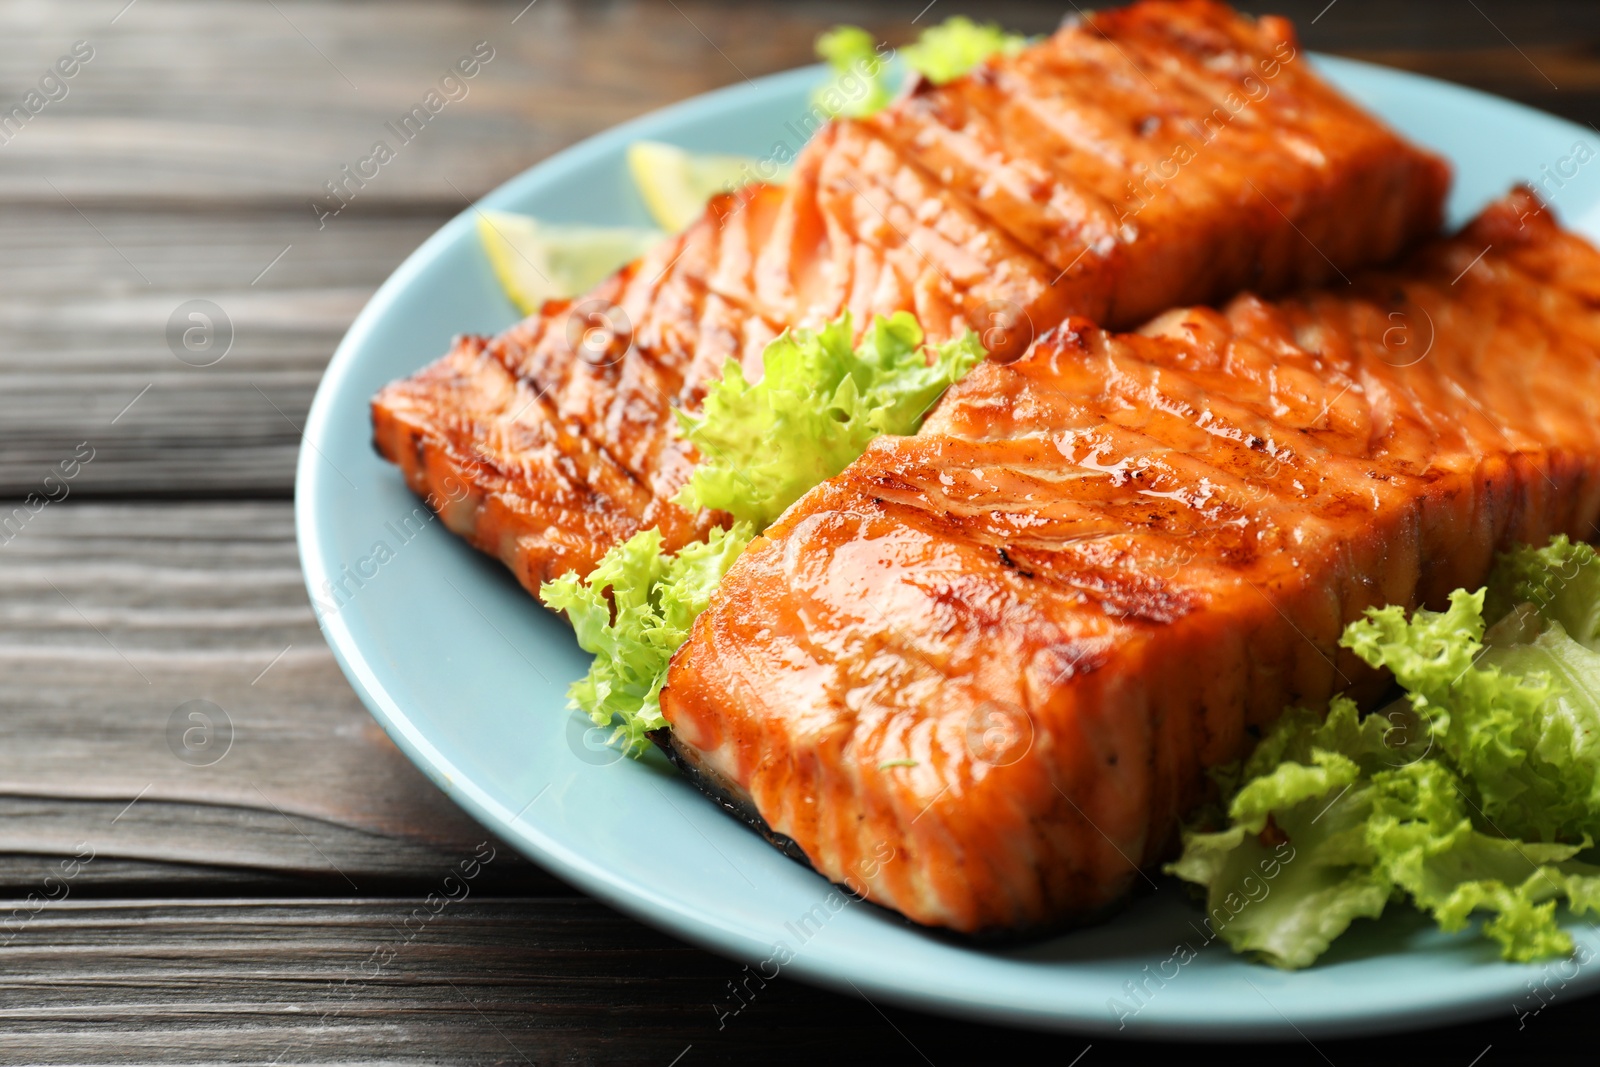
x: 1293, y: 871
x: 1423, y: 838
x: 1535, y: 753
x: 632, y: 614
x: 950, y: 49
x: 819, y: 402
x: 1429, y: 653
x: 1515, y: 709
x: 1474, y: 794
x: 1342, y: 823
x: 862, y: 83
x: 1561, y: 581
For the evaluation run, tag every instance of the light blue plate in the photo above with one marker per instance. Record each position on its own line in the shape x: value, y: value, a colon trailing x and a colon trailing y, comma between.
x: 468, y: 675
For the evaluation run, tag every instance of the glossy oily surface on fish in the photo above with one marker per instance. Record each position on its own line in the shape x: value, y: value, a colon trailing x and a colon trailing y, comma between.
x: 979, y: 675
x: 1139, y: 158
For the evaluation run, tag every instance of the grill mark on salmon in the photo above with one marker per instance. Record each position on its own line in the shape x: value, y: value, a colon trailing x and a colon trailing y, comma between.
x: 995, y: 199
x: 1133, y: 550
x: 1174, y: 110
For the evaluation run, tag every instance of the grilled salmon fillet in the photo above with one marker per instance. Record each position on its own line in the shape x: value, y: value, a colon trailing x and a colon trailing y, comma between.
x: 979, y: 675
x: 1138, y: 159
x: 552, y: 442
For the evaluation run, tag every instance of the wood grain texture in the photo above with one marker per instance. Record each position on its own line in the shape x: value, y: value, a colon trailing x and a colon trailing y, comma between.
x: 86, y: 336
x: 514, y: 981
x: 115, y: 615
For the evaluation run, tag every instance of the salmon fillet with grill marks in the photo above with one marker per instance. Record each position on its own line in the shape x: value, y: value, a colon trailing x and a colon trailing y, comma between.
x: 1002, y: 653
x: 1137, y: 159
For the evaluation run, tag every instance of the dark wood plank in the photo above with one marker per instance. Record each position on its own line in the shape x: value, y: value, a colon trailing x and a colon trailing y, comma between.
x: 117, y: 615
x: 479, y: 982
x: 530, y: 981
x: 85, y: 337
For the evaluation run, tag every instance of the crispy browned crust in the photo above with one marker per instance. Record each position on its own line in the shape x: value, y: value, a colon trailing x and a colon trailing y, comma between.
x: 1130, y: 549
x: 1144, y: 157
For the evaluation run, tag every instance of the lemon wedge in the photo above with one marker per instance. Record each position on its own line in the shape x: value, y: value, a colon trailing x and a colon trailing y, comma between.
x: 676, y: 184
x: 538, y: 261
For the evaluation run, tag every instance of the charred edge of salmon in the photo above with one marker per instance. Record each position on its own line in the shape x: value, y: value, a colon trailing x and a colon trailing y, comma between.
x: 732, y: 800
x: 729, y: 797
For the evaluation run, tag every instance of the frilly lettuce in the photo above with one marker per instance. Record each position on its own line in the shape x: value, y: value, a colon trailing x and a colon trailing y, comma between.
x: 859, y: 85
x: 945, y: 52
x: 1473, y: 793
x: 861, y: 81
x: 1561, y: 581
x: 633, y: 632
x: 1515, y: 709
x: 820, y: 400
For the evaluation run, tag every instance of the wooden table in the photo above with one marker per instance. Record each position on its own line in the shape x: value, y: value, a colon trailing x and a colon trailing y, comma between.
x: 255, y: 909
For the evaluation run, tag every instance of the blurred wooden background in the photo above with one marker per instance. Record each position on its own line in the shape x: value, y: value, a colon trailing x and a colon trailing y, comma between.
x: 230, y: 912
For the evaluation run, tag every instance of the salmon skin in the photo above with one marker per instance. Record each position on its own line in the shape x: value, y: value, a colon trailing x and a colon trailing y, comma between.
x: 1003, y: 653
x: 1138, y: 159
